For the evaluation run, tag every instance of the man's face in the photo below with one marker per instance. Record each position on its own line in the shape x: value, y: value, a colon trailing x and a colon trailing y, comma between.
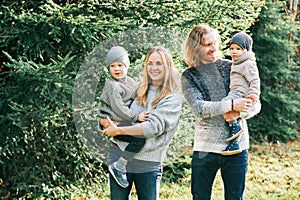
x: 209, y: 47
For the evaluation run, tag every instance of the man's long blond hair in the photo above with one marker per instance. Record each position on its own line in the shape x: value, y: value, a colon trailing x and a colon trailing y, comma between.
x: 169, y: 84
x: 194, y: 41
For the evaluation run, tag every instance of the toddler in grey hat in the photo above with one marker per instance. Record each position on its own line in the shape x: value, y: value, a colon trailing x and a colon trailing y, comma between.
x: 117, y: 95
x: 244, y: 83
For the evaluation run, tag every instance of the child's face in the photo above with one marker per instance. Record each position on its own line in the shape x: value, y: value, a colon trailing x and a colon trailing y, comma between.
x: 236, y: 51
x: 117, y: 70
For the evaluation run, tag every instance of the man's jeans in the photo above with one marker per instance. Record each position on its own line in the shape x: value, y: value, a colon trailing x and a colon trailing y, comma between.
x: 233, y: 171
x: 147, y: 186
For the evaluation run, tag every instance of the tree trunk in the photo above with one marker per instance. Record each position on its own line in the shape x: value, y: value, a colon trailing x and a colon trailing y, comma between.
x: 294, y: 8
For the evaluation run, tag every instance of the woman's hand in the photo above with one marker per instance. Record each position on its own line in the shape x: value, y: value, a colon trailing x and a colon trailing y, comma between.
x: 112, y: 129
x: 231, y: 116
x: 105, y: 123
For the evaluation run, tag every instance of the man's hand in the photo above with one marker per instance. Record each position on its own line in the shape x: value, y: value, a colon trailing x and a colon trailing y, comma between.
x: 242, y: 104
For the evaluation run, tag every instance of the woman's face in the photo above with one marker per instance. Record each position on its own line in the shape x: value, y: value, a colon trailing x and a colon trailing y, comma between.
x: 155, y: 69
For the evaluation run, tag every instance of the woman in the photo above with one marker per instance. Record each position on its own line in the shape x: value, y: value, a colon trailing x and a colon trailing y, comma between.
x: 159, y: 94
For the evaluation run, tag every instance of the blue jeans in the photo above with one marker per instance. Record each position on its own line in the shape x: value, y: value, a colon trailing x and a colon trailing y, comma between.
x: 147, y: 186
x: 233, y: 171
x: 145, y: 175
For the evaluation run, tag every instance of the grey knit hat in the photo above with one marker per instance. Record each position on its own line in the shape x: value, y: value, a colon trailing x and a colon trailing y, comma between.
x: 243, y: 40
x: 117, y: 54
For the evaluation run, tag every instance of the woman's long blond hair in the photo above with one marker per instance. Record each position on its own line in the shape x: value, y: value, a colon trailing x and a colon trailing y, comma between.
x: 194, y: 41
x: 170, y: 82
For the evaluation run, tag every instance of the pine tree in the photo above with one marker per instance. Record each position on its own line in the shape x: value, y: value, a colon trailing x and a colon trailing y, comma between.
x: 279, y: 75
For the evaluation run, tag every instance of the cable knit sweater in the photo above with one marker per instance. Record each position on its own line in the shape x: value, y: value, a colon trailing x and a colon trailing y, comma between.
x: 159, y: 127
x: 204, y: 87
x: 116, y: 97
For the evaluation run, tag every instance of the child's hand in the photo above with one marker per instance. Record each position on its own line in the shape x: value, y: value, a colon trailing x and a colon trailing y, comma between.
x: 253, y: 97
x: 143, y: 116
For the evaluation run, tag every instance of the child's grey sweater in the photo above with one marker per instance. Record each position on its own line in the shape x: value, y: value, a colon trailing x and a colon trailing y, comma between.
x: 204, y: 87
x: 116, y: 97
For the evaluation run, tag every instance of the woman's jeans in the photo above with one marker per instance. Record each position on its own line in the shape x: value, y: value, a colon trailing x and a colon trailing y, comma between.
x: 233, y: 171
x: 145, y: 175
x: 147, y: 186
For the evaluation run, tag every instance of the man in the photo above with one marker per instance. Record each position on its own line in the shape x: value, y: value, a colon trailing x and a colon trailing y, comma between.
x: 204, y: 84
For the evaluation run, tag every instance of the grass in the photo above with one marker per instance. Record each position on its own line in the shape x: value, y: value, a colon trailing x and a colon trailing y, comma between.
x: 274, y: 173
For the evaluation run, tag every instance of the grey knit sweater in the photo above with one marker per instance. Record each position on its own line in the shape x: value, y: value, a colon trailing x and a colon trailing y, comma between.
x: 159, y: 127
x: 204, y: 87
x: 116, y: 97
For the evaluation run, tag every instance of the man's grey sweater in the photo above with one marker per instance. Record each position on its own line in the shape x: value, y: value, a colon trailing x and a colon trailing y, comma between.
x: 204, y: 87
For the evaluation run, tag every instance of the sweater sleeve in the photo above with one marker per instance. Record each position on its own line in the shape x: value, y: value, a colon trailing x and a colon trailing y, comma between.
x: 114, y: 99
x: 195, y: 99
x: 252, y: 75
x: 255, y: 109
x: 164, y: 117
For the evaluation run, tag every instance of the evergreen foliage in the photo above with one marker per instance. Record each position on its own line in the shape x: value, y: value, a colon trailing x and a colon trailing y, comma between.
x: 279, y: 72
x: 39, y: 146
x: 44, y: 44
